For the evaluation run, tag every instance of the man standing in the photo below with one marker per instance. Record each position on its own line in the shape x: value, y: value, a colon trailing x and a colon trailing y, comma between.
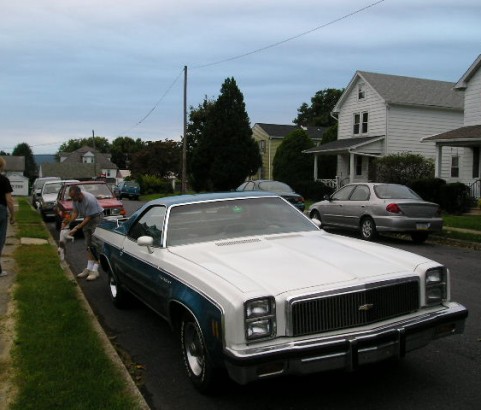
x: 6, y: 202
x: 86, y: 205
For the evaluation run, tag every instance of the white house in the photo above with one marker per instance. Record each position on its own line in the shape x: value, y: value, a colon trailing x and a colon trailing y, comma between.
x: 380, y: 114
x: 458, y: 150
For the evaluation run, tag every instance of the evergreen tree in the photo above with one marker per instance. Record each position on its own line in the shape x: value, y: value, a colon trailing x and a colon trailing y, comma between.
x: 24, y: 150
x: 290, y: 165
x: 225, y: 153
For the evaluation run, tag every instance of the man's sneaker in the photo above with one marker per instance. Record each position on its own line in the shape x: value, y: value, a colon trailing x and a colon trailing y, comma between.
x: 93, y: 275
x: 86, y: 272
x: 3, y: 273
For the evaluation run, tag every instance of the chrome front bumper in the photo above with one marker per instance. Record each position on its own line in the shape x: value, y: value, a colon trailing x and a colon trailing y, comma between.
x: 347, y: 351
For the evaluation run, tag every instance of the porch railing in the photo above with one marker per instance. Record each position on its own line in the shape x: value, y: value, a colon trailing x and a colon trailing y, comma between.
x: 475, y: 189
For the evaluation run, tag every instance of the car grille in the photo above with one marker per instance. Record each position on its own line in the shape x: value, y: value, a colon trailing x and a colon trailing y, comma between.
x: 353, y: 309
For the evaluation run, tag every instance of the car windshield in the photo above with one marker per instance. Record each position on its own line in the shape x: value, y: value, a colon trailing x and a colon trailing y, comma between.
x: 275, y: 186
x: 391, y: 191
x: 227, y: 219
x: 100, y: 191
x: 131, y: 184
x: 52, y: 188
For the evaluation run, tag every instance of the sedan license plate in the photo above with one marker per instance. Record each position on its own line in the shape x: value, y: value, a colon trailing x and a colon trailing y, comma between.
x: 422, y: 227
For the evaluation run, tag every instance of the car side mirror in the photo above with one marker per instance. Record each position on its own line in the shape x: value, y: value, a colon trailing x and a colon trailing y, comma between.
x: 317, y: 222
x: 327, y: 197
x: 147, y: 241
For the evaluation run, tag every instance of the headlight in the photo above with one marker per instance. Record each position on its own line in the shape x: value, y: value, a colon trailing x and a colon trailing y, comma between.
x: 436, y: 286
x: 260, y: 318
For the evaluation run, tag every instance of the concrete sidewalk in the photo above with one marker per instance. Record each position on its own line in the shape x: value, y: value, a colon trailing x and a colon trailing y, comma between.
x: 7, y: 323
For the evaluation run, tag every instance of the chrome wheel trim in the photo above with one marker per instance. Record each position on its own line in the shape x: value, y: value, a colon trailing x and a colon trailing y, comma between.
x: 194, y: 349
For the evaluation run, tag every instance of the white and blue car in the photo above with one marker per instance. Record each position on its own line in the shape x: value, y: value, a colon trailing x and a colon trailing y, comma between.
x: 256, y: 288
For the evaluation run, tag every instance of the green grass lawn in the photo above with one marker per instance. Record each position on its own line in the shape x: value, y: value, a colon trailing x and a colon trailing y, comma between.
x: 58, y: 358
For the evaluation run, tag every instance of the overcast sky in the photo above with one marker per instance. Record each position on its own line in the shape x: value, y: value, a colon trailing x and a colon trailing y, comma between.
x: 68, y: 67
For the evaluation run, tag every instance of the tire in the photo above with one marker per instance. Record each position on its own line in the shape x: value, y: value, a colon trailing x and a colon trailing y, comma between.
x: 315, y: 215
x: 368, y: 229
x: 196, y: 360
x: 419, y: 237
x: 118, y: 294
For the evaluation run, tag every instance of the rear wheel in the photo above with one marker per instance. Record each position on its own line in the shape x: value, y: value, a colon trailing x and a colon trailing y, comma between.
x: 419, y: 237
x: 196, y: 361
x: 315, y: 215
x: 368, y: 229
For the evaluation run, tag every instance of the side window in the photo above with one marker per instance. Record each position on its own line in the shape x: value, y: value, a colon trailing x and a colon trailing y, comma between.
x: 343, y: 193
x: 361, y: 193
x: 150, y: 224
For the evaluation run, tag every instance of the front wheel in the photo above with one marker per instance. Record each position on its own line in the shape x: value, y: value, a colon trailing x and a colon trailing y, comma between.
x: 196, y: 361
x: 368, y: 229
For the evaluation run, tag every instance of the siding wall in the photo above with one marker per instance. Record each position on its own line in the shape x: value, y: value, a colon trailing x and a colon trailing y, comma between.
x: 372, y: 103
x: 472, y: 101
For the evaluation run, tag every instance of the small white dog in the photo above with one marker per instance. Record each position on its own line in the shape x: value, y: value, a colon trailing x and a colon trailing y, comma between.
x: 64, y: 237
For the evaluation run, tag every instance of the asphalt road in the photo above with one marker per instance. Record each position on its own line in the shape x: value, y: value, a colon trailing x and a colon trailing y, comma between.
x: 444, y: 375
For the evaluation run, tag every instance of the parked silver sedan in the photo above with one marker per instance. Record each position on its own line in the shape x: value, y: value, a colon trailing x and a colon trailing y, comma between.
x: 379, y: 207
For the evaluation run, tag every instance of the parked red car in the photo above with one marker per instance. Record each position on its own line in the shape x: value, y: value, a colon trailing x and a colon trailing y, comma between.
x: 64, y: 207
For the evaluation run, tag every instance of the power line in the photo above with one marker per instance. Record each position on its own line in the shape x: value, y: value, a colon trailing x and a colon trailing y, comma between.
x: 290, y: 38
x: 254, y: 52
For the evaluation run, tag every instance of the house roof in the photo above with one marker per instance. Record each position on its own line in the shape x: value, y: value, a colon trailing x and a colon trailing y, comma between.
x: 14, y: 163
x: 463, y: 81
x: 281, y: 131
x: 102, y: 160
x: 460, y: 136
x: 70, y: 170
x: 400, y: 90
x: 342, y: 145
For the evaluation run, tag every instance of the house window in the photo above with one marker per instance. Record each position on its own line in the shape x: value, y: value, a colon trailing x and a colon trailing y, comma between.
x: 262, y: 146
x: 455, y: 166
x: 358, y: 165
x: 361, y: 92
x: 360, y: 123
x: 365, y: 118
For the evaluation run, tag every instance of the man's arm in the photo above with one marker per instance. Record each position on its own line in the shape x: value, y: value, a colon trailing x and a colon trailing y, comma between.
x: 10, y: 206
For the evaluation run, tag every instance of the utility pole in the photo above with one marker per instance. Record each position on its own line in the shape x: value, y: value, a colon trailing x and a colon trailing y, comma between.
x: 95, y: 162
x: 184, y: 145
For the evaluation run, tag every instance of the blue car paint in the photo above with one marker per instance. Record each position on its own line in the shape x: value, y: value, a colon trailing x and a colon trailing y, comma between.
x: 167, y: 291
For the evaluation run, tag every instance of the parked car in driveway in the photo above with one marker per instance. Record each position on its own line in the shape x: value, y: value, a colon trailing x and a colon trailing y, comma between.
x: 48, y: 197
x: 253, y: 287
x: 64, y: 206
x: 277, y: 187
x: 377, y: 207
x: 37, y: 188
x: 127, y: 189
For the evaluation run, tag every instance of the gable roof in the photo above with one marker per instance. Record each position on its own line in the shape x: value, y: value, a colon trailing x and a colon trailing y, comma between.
x: 281, y: 131
x: 411, y: 91
x: 102, y: 160
x: 464, y: 135
x: 69, y: 170
x: 463, y: 81
x: 14, y: 163
x: 342, y: 145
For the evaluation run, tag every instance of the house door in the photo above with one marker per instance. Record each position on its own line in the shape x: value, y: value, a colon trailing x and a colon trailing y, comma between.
x: 371, y: 170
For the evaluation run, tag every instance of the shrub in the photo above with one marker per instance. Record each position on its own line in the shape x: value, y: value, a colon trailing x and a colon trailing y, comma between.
x: 455, y: 198
x: 429, y: 189
x: 403, y: 168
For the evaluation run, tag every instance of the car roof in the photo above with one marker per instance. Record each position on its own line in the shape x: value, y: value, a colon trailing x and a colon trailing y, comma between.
x: 206, y: 197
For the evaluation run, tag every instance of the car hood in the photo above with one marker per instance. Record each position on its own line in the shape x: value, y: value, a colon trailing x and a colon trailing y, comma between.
x: 284, y: 263
x: 106, y: 203
x: 49, y: 197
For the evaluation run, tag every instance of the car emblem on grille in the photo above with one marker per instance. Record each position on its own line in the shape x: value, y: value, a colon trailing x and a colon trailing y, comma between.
x: 366, y: 307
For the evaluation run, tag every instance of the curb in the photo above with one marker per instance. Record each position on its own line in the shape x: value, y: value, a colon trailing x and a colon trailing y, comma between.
x: 7, y: 309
